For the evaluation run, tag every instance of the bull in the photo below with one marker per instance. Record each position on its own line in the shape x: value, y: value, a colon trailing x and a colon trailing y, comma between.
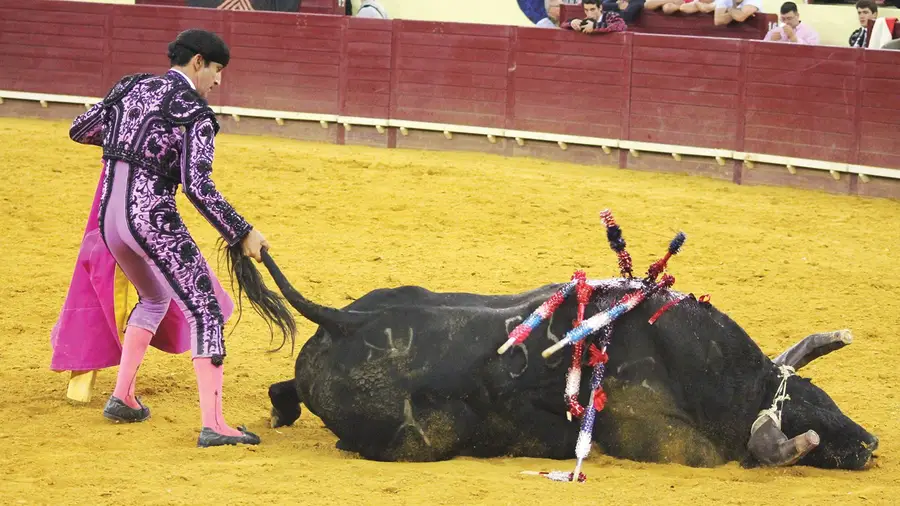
x: 407, y: 374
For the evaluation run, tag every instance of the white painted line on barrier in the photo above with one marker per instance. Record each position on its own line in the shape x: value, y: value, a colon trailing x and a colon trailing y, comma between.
x: 635, y: 147
x: 442, y: 127
x: 675, y: 149
x: 46, y: 97
x: 568, y: 139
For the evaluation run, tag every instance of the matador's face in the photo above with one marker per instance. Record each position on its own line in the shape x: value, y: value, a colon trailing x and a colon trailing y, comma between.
x: 208, y: 77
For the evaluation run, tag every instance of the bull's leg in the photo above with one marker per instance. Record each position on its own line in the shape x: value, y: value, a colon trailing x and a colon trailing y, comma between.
x: 523, y: 428
x: 542, y: 434
x: 285, y: 403
x: 429, y: 432
x: 640, y: 422
x: 812, y: 347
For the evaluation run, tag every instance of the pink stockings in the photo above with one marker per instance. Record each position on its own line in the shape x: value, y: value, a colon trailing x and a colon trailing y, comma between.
x: 209, y: 380
x: 209, y: 384
x: 136, y: 342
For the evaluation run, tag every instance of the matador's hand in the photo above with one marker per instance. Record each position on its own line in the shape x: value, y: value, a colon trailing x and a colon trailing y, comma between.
x: 253, y: 244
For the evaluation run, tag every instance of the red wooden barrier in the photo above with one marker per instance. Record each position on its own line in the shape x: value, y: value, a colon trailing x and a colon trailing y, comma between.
x: 366, y: 67
x: 54, y: 47
x: 321, y: 7
x: 285, y: 62
x: 801, y: 105
x: 567, y: 84
x: 879, y: 104
x: 170, y: 3
x: 821, y: 103
x: 451, y: 73
x: 685, y: 92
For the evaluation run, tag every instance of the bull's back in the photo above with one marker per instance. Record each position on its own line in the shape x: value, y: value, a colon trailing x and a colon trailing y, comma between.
x: 418, y: 296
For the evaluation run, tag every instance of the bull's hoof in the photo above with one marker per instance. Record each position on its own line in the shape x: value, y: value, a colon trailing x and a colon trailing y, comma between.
x: 280, y: 418
x: 343, y: 446
x: 285, y: 403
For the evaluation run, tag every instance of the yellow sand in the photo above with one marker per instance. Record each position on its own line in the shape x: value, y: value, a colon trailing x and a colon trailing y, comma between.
x: 343, y: 220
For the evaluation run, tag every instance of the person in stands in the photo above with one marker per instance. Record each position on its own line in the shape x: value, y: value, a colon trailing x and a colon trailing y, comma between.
x: 629, y: 10
x: 866, y: 10
x: 552, y: 19
x: 792, y: 30
x: 597, y: 20
x: 735, y: 10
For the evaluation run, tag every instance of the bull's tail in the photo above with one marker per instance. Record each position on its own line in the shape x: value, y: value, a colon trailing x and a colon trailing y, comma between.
x: 265, y: 302
x: 337, y: 322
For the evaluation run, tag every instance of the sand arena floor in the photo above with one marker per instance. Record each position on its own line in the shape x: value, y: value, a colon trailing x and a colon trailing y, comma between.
x: 343, y: 220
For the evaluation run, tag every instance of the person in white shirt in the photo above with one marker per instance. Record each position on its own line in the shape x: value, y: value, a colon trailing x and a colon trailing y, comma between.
x: 552, y: 19
x: 735, y: 10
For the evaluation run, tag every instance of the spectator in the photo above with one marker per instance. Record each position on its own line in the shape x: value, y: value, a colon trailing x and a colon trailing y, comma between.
x: 628, y: 10
x: 792, y: 30
x: 866, y: 10
x: 597, y: 20
x: 735, y: 10
x: 552, y: 19
x: 667, y: 6
x: 703, y: 6
x: 371, y: 9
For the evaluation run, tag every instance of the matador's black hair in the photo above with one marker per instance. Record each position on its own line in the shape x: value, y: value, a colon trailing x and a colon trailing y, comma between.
x: 195, y: 41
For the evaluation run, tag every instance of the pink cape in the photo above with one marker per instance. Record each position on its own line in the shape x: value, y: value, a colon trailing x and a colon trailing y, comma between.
x: 86, y: 335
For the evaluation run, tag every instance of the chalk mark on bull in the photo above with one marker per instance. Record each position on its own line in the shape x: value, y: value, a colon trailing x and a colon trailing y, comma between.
x: 520, y: 346
x: 410, y: 421
x: 391, y: 351
x: 554, y: 339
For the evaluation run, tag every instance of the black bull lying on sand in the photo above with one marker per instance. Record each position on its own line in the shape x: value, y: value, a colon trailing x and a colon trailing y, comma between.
x: 409, y: 374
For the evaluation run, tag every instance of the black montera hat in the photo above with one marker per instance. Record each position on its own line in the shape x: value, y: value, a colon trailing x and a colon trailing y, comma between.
x: 207, y: 44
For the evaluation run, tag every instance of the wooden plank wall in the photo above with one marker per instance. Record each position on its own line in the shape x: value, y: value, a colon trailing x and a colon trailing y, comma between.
x: 366, y: 68
x: 56, y: 47
x: 170, y: 3
x: 821, y: 103
x: 320, y: 7
x: 879, y: 142
x: 569, y: 85
x: 451, y: 73
x: 685, y: 92
x: 285, y: 62
x: 801, y: 103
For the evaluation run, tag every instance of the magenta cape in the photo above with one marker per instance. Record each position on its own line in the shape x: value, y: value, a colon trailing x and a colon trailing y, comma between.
x: 87, y: 335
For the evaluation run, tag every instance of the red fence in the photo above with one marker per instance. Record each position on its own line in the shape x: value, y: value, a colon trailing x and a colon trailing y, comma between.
x: 820, y: 103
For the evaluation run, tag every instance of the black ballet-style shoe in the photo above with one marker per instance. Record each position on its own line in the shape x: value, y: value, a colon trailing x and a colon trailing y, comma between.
x: 119, y: 412
x: 209, y: 437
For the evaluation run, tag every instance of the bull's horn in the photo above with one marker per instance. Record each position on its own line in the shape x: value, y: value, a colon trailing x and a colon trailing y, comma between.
x: 812, y: 347
x: 772, y: 448
x: 337, y: 322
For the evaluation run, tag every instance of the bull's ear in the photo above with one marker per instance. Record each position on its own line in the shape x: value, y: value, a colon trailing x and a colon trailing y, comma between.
x: 812, y: 347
